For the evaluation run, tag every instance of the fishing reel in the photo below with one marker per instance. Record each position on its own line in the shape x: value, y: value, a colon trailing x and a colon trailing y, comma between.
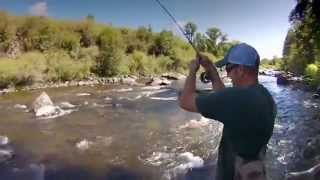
x: 204, y: 78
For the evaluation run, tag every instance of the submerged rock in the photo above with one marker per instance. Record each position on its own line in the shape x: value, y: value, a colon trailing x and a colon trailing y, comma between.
x: 4, y: 140
x: 84, y: 145
x: 66, y: 105
x: 20, y: 106
x: 5, y: 155
x: 282, y: 79
x: 316, y: 96
x: 83, y: 94
x: 310, y: 174
x: 312, y: 147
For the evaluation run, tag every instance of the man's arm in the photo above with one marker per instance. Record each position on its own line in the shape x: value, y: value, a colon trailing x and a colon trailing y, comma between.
x: 187, y: 99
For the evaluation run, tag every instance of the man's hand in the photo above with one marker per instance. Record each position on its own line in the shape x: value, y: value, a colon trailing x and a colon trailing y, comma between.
x: 206, y: 63
x: 211, y: 71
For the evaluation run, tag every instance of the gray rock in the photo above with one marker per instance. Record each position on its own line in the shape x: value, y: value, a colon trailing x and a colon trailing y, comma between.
x: 81, y: 83
x: 310, y: 174
x: 41, y: 101
x: 128, y: 81
x: 66, y: 105
x: 316, y: 96
x: 155, y: 81
x: 5, y: 155
x: 20, y: 106
x: 43, y: 106
x: 4, y: 140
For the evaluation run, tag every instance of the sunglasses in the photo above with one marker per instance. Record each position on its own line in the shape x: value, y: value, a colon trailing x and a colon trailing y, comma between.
x: 229, y: 67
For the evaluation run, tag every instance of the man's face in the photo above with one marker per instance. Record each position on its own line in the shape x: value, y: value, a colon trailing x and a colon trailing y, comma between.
x: 232, y: 72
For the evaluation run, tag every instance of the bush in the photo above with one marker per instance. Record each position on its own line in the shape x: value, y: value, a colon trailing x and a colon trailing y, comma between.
x: 25, y: 70
x: 164, y: 63
x: 312, y: 75
x: 60, y: 67
x: 111, y: 48
x: 69, y: 41
x: 311, y: 70
x: 138, y: 62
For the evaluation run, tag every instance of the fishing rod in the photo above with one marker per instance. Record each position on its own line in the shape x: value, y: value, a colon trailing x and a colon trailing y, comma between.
x: 203, y: 77
x: 178, y: 25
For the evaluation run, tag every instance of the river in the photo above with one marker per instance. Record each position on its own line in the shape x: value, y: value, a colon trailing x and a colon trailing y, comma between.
x: 124, y: 132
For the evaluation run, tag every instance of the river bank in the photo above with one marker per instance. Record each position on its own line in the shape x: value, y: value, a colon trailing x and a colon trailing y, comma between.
x: 131, y: 80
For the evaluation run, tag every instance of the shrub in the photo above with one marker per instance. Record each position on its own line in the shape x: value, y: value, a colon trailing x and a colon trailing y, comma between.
x: 60, y: 67
x: 109, y: 60
x: 25, y: 70
x: 312, y: 75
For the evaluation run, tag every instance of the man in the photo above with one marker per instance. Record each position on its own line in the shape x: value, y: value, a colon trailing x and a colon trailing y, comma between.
x: 247, y: 111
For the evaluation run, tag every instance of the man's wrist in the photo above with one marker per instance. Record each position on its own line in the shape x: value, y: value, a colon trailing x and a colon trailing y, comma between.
x: 192, y: 73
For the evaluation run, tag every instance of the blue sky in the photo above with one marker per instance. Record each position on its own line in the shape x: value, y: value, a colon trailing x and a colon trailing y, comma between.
x: 260, y: 23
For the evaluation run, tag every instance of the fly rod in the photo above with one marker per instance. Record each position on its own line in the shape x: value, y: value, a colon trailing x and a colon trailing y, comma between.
x: 203, y: 77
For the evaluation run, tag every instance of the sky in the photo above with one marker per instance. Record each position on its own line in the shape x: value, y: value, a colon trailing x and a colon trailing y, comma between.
x: 260, y: 23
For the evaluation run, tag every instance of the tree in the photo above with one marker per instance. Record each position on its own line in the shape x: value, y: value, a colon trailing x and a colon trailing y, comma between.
x: 163, y: 44
x: 190, y: 29
x: 7, y: 31
x: 214, y: 34
x: 303, y: 8
x: 200, y: 41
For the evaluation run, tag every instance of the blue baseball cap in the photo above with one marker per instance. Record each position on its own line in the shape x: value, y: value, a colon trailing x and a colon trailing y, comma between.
x: 242, y: 54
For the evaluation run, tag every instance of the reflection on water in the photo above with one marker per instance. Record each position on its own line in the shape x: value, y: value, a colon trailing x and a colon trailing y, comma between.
x: 136, y: 133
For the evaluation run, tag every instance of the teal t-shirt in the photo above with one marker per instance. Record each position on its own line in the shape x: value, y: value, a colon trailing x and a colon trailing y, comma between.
x: 248, y: 115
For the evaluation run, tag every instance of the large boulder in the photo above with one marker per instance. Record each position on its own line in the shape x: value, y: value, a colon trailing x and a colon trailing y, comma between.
x: 43, y: 106
x: 310, y: 174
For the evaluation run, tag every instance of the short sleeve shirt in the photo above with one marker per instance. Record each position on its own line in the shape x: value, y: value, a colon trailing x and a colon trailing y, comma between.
x: 248, y: 115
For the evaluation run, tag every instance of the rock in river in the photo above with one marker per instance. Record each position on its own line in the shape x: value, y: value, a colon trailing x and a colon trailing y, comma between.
x: 43, y: 106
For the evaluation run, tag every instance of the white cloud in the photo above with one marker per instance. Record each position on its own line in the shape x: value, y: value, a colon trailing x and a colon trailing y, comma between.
x: 39, y: 9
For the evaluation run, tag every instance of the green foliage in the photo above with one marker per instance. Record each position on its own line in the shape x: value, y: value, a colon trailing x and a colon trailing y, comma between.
x: 138, y: 62
x: 312, y: 75
x: 7, y: 31
x: 302, y: 44
x: 312, y: 70
x: 163, y: 44
x: 274, y: 63
x: 25, y: 70
x: 69, y: 42
x: 61, y: 67
x: 61, y: 50
x: 111, y: 48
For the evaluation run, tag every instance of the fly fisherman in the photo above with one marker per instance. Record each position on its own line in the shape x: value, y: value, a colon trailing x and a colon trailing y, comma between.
x: 247, y: 111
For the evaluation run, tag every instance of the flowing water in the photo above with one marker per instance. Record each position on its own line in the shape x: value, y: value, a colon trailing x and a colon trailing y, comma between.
x: 123, y: 132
